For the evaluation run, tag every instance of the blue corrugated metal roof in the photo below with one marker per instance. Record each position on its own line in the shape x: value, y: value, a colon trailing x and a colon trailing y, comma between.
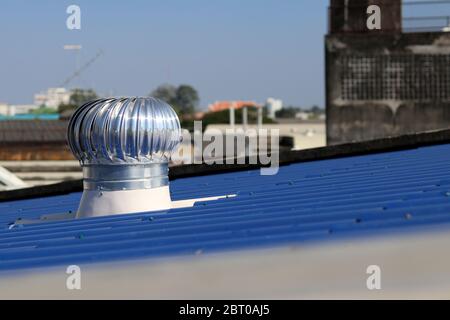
x: 319, y: 200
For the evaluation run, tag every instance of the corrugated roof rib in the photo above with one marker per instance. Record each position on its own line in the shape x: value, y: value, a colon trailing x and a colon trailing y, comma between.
x: 317, y: 200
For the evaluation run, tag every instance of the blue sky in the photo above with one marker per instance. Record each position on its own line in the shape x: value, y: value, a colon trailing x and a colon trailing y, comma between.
x: 227, y: 49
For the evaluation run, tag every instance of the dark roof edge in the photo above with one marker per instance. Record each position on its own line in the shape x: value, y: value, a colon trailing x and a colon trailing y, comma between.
x: 409, y: 141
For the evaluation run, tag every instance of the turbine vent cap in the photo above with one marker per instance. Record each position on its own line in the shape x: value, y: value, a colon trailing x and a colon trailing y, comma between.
x: 124, y: 131
x: 124, y: 145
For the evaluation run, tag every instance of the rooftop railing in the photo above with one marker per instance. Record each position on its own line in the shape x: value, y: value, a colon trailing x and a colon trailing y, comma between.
x: 426, y: 22
x: 416, y: 16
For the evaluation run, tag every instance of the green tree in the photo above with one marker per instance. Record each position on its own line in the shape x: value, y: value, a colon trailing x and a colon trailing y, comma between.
x: 316, y: 110
x: 166, y: 92
x: 77, y: 98
x: 184, y: 98
x: 81, y: 96
x: 287, y: 112
x: 187, y: 99
x: 43, y: 110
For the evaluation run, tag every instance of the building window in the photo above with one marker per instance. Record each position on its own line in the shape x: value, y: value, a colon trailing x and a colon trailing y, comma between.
x: 422, y: 77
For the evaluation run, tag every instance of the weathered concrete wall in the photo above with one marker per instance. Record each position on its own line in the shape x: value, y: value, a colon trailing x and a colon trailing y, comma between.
x: 386, y: 84
x: 351, y: 15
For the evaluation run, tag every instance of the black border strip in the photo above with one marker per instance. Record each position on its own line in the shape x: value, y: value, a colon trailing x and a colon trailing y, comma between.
x: 409, y: 141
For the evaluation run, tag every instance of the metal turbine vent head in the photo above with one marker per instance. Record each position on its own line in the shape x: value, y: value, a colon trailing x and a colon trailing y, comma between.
x: 123, y: 145
x: 124, y: 131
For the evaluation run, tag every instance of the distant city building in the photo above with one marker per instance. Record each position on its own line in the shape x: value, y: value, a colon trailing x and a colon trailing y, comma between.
x: 34, y: 140
x: 4, y: 109
x: 15, y: 109
x: 225, y: 105
x: 309, y: 115
x: 302, y: 115
x: 273, y: 105
x: 304, y: 134
x: 52, y: 98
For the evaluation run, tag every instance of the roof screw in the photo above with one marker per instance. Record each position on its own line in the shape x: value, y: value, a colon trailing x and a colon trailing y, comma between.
x: 408, y: 216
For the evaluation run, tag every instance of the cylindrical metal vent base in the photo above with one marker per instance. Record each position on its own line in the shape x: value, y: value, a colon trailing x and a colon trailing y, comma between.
x: 95, y: 203
x: 125, y: 176
x: 124, y: 146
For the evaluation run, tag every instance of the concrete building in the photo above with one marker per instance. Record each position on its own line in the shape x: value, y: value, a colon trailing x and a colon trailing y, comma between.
x: 273, y: 105
x: 34, y: 140
x: 305, y: 135
x: 36, y: 151
x: 52, y: 98
x: 383, y: 82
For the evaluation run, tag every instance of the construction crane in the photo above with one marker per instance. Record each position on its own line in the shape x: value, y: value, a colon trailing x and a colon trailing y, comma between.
x: 79, y: 70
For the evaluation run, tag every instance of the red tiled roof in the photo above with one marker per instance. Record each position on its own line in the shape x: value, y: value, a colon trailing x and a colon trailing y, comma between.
x: 225, y: 105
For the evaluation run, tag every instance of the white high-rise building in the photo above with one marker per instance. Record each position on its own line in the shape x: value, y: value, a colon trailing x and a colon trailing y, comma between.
x: 53, y: 97
x: 4, y: 109
x: 273, y: 105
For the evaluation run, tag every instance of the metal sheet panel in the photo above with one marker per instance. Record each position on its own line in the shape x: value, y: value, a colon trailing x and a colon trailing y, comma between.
x: 311, y: 201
